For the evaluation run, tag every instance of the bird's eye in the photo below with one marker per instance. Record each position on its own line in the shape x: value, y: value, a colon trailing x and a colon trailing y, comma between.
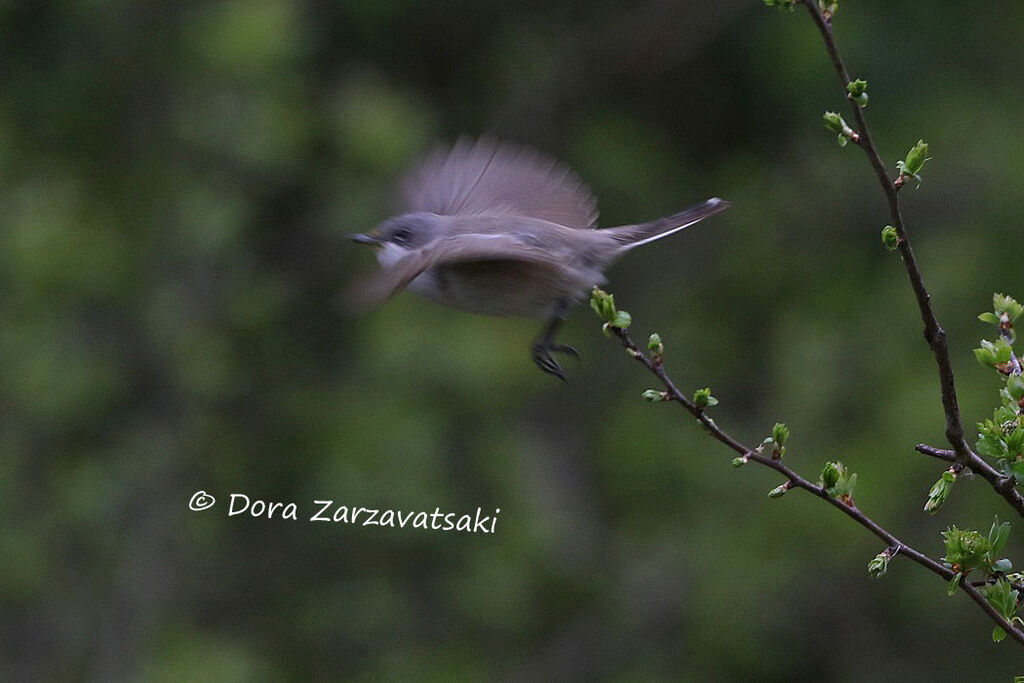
x: 401, y: 235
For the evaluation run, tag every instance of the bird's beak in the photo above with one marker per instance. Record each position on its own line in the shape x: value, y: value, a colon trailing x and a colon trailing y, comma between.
x: 363, y: 238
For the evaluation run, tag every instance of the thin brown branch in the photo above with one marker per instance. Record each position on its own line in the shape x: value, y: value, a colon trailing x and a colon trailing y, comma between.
x: 933, y: 331
x: 656, y: 367
x: 940, y: 453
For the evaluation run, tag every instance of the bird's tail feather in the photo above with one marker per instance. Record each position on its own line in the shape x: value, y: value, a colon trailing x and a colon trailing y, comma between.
x: 634, y: 235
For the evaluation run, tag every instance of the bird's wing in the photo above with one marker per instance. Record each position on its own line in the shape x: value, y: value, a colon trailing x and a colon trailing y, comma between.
x: 459, y: 249
x: 490, y: 177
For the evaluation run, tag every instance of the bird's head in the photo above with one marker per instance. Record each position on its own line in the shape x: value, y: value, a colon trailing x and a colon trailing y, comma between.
x: 398, y: 235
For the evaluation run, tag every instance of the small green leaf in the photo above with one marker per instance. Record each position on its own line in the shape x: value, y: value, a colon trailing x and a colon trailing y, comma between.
x: 998, y: 534
x: 1004, y: 565
x: 1015, y: 387
x: 833, y: 121
x: 954, y: 583
x: 989, y: 318
x: 994, y: 354
x: 779, y: 491
x: 740, y: 462
x: 998, y: 634
x: 622, y: 320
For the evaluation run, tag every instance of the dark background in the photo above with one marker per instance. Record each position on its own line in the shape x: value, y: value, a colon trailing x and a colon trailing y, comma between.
x: 176, y: 181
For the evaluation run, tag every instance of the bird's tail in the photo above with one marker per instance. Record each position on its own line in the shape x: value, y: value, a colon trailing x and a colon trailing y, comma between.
x: 634, y: 235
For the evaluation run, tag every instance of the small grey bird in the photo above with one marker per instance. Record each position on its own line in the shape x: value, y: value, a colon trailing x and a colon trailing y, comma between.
x: 497, y: 229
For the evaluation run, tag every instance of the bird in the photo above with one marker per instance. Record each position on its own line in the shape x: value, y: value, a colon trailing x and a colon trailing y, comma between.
x: 499, y: 229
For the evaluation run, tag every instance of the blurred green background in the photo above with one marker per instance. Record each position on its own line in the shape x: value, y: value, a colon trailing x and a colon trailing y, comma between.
x: 176, y: 181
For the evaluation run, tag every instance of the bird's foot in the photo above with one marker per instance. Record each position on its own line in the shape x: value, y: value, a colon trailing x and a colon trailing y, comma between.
x: 542, y: 358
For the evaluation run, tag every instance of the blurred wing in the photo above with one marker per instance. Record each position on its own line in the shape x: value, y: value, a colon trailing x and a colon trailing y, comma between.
x: 462, y: 249
x: 489, y: 177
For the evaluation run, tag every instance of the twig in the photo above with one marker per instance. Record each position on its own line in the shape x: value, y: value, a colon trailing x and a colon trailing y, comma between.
x: 794, y: 480
x: 940, y: 453
x: 933, y: 331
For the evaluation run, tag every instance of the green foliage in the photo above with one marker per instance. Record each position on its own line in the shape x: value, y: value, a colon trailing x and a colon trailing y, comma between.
x: 890, y: 238
x: 838, y: 481
x: 879, y: 564
x: 940, y: 491
x: 654, y: 344
x: 1004, y: 598
x: 703, y: 398
x: 1005, y: 310
x: 1006, y: 307
x: 655, y: 396
x: 837, y: 124
x: 857, y: 89
x: 968, y: 550
x: 603, y: 304
x: 1001, y: 438
x: 774, y: 443
x: 780, y: 433
x: 779, y: 490
x: 910, y: 167
x: 995, y: 354
x: 781, y: 4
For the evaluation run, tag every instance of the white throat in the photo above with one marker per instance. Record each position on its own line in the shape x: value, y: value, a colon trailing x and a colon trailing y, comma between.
x: 390, y: 253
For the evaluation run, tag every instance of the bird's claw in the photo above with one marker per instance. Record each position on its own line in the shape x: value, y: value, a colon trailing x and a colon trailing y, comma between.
x: 543, y: 359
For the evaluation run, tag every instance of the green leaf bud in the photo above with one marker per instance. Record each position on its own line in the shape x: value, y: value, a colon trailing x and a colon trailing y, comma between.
x: 834, y: 121
x: 780, y: 433
x: 940, y: 491
x: 856, y: 87
x: 779, y: 491
x: 879, y: 564
x: 858, y: 92
x: 603, y: 304
x: 830, y: 474
x: 916, y: 157
x: 914, y: 162
x: 890, y: 238
x: 654, y: 344
x: 655, y: 396
x: 703, y: 398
